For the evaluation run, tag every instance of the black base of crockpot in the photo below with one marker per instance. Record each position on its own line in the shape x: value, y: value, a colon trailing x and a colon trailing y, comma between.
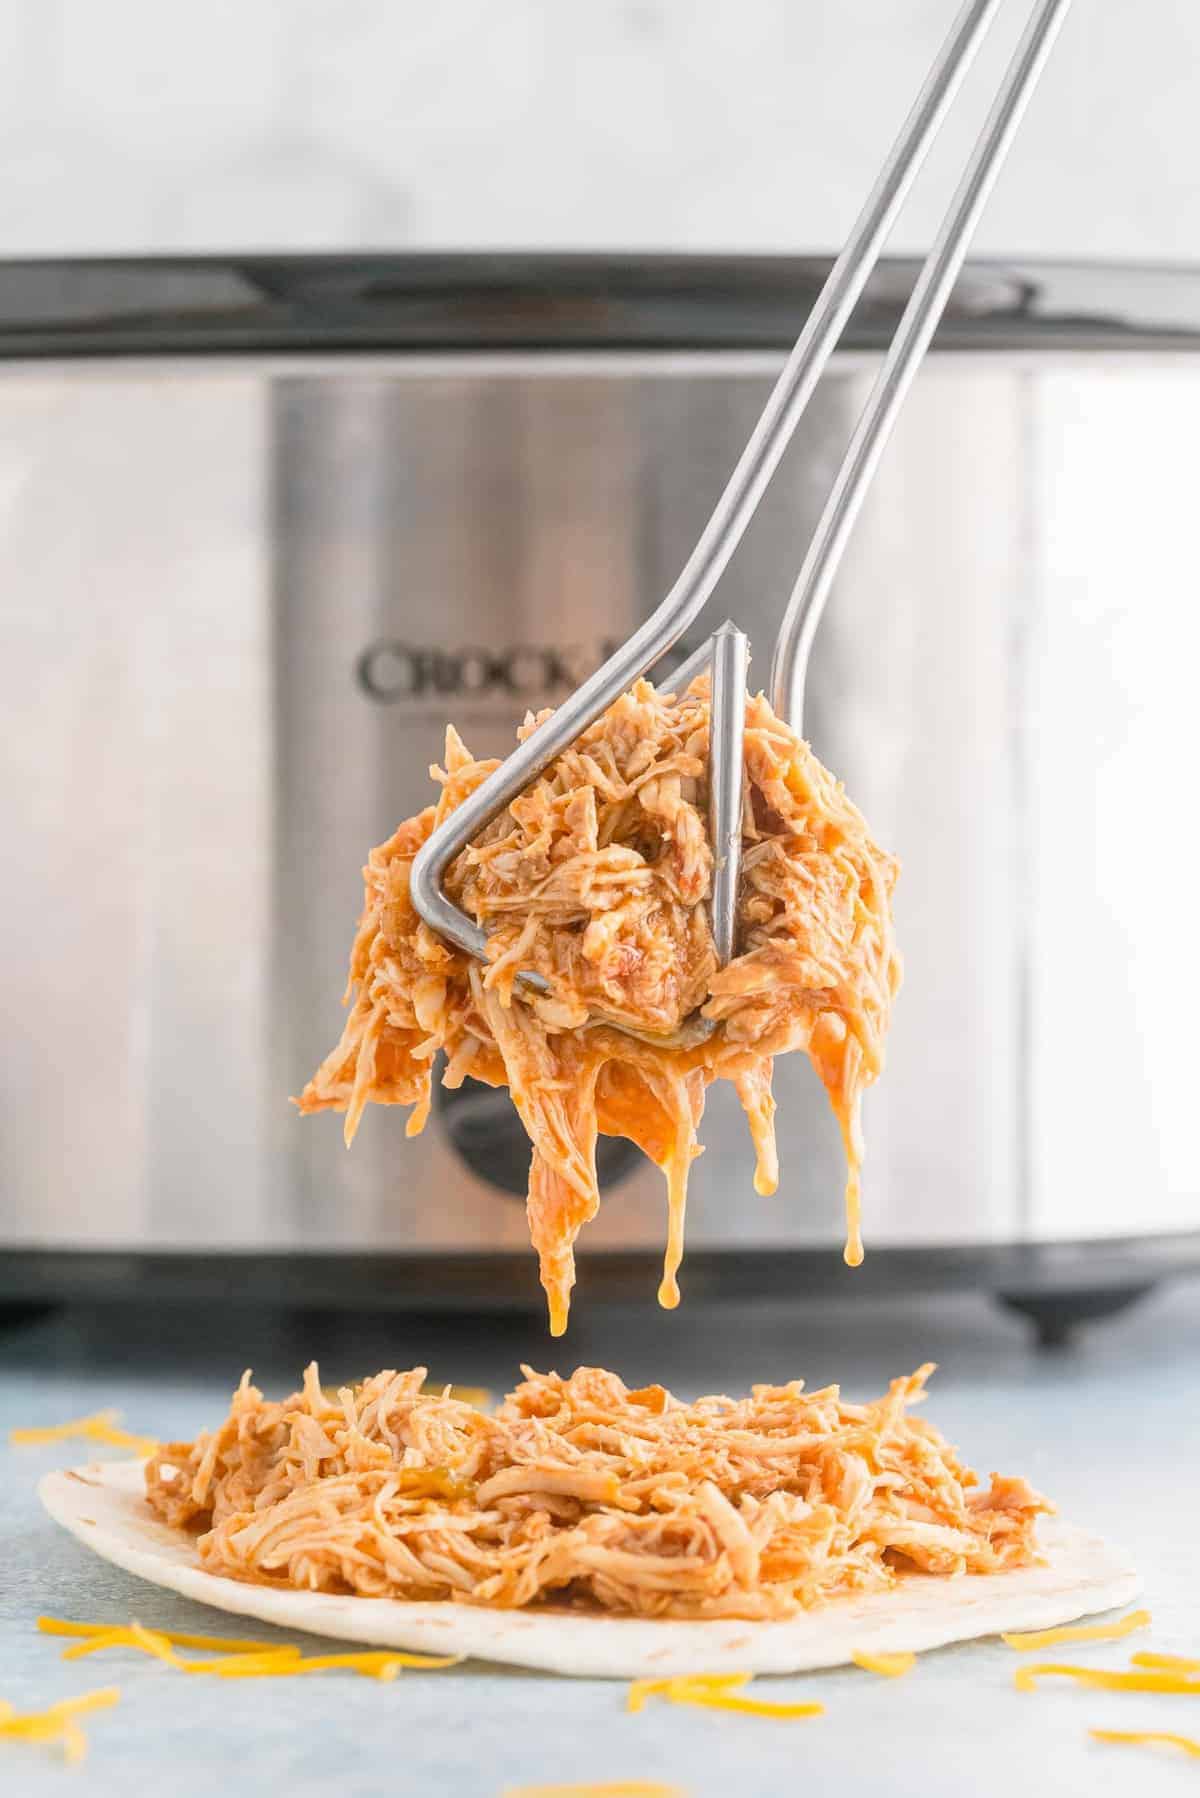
x: 1057, y: 1285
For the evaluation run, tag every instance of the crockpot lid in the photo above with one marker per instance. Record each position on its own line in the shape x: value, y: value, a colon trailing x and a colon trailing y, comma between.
x: 485, y: 302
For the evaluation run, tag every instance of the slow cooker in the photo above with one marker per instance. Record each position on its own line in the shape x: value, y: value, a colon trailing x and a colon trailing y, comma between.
x: 268, y: 523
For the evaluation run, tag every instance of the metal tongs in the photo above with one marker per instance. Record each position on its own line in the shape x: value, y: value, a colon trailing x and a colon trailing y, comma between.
x: 728, y: 649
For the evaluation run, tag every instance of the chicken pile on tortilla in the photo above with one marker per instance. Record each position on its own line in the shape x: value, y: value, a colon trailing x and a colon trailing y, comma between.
x: 580, y: 1492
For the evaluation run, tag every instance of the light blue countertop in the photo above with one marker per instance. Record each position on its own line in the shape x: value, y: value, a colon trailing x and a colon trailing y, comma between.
x: 1111, y: 1429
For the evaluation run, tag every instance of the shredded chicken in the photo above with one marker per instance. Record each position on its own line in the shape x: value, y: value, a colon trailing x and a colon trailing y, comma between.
x: 596, y: 878
x: 581, y: 1492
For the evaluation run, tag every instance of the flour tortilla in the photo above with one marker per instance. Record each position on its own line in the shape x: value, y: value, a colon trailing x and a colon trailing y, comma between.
x: 104, y: 1505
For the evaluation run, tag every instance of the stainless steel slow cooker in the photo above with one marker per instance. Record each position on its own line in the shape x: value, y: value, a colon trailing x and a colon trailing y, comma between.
x: 267, y: 524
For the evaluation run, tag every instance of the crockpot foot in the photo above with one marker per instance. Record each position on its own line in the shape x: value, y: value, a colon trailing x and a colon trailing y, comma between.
x: 1055, y: 1316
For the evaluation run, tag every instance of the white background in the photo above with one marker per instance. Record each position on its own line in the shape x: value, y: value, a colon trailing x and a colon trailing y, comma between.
x: 135, y: 125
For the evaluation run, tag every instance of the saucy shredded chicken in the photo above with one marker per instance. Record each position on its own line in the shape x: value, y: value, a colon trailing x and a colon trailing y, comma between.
x: 596, y: 878
x: 581, y: 1492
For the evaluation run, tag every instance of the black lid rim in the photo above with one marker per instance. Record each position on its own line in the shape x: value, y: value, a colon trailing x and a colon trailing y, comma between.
x: 489, y: 301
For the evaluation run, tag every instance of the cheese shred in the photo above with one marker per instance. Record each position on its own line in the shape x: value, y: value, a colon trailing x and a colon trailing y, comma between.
x: 1165, y: 1663
x: 60, y: 1626
x: 1103, y: 1680
x: 98, y: 1426
x: 131, y: 1635
x: 715, y: 1692
x: 383, y: 1663
x: 1087, y: 1632
x: 609, y: 1788
x: 238, y: 1659
x: 58, y: 1722
x: 1148, y: 1738
x: 892, y: 1666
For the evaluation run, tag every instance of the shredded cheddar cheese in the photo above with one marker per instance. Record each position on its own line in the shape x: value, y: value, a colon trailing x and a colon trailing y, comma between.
x: 74, y: 1742
x: 1105, y: 1681
x: 1087, y: 1632
x: 248, y: 1666
x: 58, y: 1722
x: 227, y: 1644
x: 99, y: 1426
x: 60, y: 1626
x: 238, y: 1659
x: 1165, y: 1663
x: 1148, y: 1738
x: 715, y: 1692
x: 134, y: 1635
x: 611, y: 1788
x: 641, y: 1689
x: 754, y: 1707
x: 383, y: 1663
x: 890, y: 1665
x: 681, y: 1685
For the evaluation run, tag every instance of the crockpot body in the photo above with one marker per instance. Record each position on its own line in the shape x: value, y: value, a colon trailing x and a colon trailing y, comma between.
x: 246, y: 589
